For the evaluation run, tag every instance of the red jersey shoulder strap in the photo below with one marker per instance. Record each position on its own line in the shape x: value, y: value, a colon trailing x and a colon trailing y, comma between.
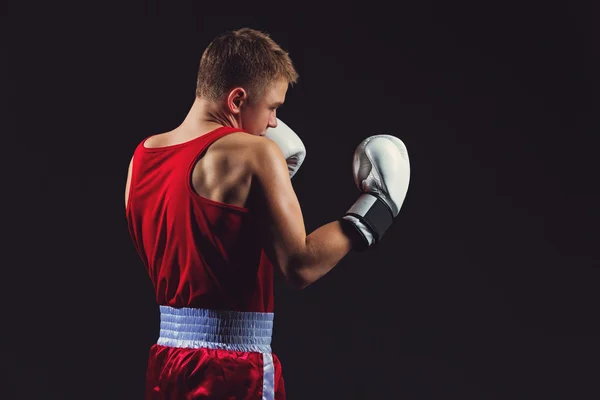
x: 211, y: 137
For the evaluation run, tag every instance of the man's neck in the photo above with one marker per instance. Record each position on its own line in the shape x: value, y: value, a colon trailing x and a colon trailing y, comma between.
x: 205, y: 115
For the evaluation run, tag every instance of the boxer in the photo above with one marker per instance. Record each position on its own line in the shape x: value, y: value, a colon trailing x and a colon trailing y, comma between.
x: 213, y: 215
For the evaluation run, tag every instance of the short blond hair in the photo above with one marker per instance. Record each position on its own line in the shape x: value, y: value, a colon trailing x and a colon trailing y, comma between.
x: 242, y: 58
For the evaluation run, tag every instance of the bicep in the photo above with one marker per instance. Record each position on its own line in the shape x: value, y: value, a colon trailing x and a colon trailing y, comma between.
x: 281, y: 222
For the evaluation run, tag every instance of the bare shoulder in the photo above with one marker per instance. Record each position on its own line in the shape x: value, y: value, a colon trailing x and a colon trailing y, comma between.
x: 157, y: 140
x: 256, y: 150
x: 266, y: 156
x: 237, y: 141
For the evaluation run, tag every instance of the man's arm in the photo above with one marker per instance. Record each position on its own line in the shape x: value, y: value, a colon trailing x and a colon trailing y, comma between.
x: 301, y: 258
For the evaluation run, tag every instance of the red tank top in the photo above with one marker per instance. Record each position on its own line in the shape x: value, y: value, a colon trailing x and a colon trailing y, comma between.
x: 199, y: 253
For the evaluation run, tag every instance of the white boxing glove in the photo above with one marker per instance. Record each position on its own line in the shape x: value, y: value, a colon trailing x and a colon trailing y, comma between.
x: 290, y: 144
x: 382, y: 173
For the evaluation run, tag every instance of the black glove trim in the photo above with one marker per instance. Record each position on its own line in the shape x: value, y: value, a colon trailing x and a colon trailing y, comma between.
x: 378, y: 218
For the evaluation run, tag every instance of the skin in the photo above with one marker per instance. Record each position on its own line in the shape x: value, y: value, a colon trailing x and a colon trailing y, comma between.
x: 250, y: 171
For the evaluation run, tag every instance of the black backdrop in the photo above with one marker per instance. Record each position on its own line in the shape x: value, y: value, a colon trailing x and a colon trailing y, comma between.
x: 484, y: 288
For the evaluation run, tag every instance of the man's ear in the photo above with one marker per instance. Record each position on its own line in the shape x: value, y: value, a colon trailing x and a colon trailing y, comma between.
x: 236, y: 98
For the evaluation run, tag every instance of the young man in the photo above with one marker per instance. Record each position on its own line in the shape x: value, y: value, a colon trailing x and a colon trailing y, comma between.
x: 212, y: 213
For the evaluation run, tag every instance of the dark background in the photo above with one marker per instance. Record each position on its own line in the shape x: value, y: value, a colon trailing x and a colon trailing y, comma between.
x: 486, y: 286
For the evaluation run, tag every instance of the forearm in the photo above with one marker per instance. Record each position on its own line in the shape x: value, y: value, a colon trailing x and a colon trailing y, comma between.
x: 325, y: 248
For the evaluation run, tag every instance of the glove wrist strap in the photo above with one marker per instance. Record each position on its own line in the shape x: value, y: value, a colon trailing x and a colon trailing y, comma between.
x: 372, y: 211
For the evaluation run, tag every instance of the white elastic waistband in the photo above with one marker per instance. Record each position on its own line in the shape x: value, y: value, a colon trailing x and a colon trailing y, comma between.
x: 214, y: 329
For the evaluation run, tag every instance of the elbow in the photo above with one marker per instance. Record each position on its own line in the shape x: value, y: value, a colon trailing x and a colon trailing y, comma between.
x: 296, y: 280
x: 296, y: 277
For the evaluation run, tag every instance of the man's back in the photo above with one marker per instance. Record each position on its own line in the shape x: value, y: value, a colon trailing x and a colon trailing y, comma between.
x: 221, y: 174
x: 187, y: 212
x: 186, y: 209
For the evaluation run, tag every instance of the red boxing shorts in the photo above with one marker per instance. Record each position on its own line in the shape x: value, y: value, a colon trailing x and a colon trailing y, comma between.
x: 211, y: 354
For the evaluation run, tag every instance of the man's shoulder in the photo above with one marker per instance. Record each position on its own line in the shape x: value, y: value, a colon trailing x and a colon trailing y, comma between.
x: 251, y: 149
x: 244, y: 142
